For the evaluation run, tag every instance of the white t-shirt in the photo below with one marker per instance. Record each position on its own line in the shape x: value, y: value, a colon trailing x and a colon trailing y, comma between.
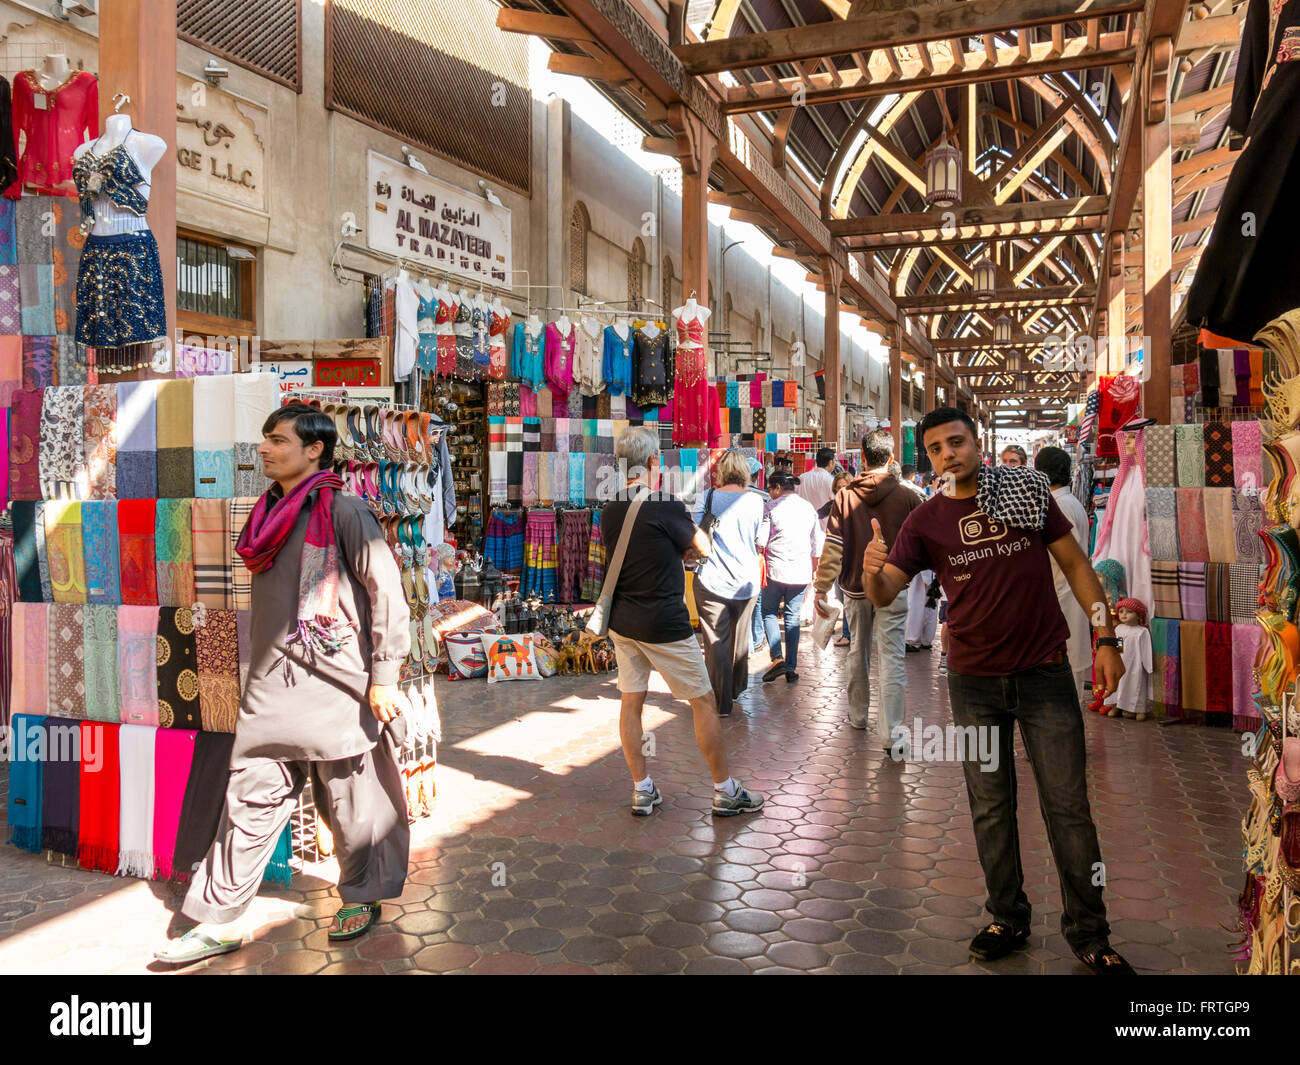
x: 794, y: 537
x: 815, y: 486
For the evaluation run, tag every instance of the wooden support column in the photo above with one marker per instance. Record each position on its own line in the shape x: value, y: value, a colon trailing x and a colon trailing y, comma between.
x: 832, y: 277
x: 697, y: 149
x: 1157, y: 237
x: 137, y: 56
x: 931, y: 369
x: 896, y: 386
x: 1116, y: 307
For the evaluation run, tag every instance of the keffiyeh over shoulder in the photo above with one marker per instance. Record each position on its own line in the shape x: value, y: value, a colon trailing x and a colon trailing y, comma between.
x: 1014, y: 495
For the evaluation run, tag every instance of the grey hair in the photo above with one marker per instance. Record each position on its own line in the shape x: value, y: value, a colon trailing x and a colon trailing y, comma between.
x: 636, y: 447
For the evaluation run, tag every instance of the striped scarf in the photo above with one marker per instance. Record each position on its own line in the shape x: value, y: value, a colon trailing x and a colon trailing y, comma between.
x: 319, y: 627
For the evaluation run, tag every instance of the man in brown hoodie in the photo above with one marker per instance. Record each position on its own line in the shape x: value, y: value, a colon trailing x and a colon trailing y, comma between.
x: 874, y: 493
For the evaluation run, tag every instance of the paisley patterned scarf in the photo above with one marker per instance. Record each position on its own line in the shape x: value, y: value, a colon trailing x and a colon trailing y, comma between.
x: 175, y: 552
x: 1247, y: 520
x: 1190, y: 447
x: 24, y: 434
x: 38, y: 362
x: 99, y: 537
x: 1162, y: 523
x: 62, y: 450
x: 135, y: 530
x: 319, y: 627
x: 101, y: 440
x: 137, y: 663
x: 63, y: 545
x: 103, y: 688
x: 218, y: 662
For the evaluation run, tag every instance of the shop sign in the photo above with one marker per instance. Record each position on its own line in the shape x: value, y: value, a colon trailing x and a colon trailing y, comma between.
x: 291, y: 375
x: 334, y: 373
x: 428, y: 222
x: 220, y: 145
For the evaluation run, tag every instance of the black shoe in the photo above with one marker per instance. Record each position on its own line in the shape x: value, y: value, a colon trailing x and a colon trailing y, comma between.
x: 912, y: 648
x: 791, y: 676
x: 997, y: 941
x: 1105, y: 961
x: 774, y: 670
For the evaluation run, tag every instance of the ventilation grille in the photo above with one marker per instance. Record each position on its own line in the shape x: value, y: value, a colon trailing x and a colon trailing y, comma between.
x: 440, y: 76
x: 263, y: 35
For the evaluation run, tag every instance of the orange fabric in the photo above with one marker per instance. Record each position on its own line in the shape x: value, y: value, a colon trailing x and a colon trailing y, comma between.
x: 1213, y: 340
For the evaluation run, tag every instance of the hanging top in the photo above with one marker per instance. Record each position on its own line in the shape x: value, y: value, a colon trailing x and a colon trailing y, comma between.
x: 690, y: 334
x: 114, y: 176
x: 54, y: 123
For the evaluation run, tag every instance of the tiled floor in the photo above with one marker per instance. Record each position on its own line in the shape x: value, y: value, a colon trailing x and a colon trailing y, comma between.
x: 532, y: 862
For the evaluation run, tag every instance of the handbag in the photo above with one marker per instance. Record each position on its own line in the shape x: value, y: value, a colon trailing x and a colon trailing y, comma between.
x: 598, y: 619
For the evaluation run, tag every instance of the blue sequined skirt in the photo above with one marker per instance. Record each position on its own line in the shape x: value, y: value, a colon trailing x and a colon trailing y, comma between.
x: 120, y: 291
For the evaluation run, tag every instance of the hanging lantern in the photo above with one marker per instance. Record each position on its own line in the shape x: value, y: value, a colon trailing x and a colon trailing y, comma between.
x: 1022, y: 382
x: 1013, y: 362
x: 943, y: 175
x: 1002, y: 329
x: 986, y: 279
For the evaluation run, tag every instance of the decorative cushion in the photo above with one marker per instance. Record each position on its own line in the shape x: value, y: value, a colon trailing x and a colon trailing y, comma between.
x: 510, y: 657
x: 548, y: 658
x: 467, y: 657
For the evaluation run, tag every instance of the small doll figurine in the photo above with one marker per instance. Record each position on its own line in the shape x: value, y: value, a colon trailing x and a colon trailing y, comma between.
x: 446, y: 573
x: 1130, y: 698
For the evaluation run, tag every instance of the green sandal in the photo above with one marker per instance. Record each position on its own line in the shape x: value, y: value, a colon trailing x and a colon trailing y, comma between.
x: 372, y: 909
x: 195, y: 946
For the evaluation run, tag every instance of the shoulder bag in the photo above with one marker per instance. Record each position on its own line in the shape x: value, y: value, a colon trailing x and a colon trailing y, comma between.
x: 598, y: 619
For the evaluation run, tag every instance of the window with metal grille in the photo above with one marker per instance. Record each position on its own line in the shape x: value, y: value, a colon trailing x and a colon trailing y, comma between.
x: 263, y: 35
x: 215, y: 290
x: 579, y: 225
x: 440, y: 76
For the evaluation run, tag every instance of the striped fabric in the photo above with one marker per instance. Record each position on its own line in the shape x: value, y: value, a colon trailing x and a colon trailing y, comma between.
x: 1191, y: 590
x: 1218, y: 592
x: 1164, y: 583
x: 213, y: 573
x: 241, y: 581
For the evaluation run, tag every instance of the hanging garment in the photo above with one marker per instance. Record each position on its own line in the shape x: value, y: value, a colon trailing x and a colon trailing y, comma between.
x: 103, y: 686
x: 241, y: 581
x: 464, y: 333
x: 217, y: 655
x: 214, y: 436
x: 99, y: 804
x: 539, y: 576
x: 575, y: 543
x: 173, y: 761
x: 1246, y: 276
x: 174, y: 552
x: 526, y: 356
x: 503, y: 543
x: 63, y: 444
x: 25, y: 791
x: 653, y: 370
x: 65, y: 550
x: 119, y: 293
x: 443, y: 317
x: 101, y: 440
x: 480, y: 320
x: 100, y: 539
x: 24, y: 444
x: 498, y: 357
x: 177, y: 669
x: 135, y: 832
x: 426, y: 355
x: 559, y: 358
x: 589, y: 355
x: 176, y: 439
x: 30, y: 662
x: 53, y: 123
x: 8, y: 158
x: 693, y: 395
x: 1120, y: 399
x: 1247, y: 520
x: 137, y: 440
x: 406, y: 341
x: 213, y: 574
x: 616, y: 360
x: 60, y: 790
x: 593, y: 575
x: 136, y: 529
x: 205, y: 796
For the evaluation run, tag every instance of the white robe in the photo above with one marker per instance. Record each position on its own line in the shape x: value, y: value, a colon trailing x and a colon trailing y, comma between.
x: 1079, y: 646
x: 1135, y: 685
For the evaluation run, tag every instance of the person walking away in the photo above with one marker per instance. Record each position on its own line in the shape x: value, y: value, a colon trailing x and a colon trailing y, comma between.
x: 1055, y: 463
x: 817, y: 485
x: 330, y: 629
x: 873, y: 495
x: 727, y: 582
x: 842, y: 480
x: 651, y: 628
x: 757, y: 634
x: 1008, y: 664
x: 794, y: 539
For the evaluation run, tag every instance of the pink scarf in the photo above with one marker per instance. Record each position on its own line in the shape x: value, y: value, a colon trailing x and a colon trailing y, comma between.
x: 174, y: 752
x: 268, y: 527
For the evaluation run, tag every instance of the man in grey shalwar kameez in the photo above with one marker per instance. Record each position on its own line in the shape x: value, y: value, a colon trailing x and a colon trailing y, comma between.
x: 321, y: 700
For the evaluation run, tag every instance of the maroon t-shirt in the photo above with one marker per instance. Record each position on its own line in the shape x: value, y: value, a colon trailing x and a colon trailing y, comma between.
x: 1003, y: 615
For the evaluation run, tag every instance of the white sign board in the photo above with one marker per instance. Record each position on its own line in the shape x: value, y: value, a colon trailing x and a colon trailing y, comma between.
x: 291, y: 375
x: 426, y: 221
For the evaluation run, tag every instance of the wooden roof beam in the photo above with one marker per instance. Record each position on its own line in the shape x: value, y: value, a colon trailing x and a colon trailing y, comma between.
x: 974, y: 219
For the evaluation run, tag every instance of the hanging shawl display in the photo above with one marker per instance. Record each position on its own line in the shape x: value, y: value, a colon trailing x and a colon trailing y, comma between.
x: 1014, y: 495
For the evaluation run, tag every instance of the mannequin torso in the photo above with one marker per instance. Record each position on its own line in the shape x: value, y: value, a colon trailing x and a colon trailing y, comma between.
x: 115, y: 209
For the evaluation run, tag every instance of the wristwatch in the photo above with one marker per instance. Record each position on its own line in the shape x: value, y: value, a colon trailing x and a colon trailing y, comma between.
x: 1108, y: 641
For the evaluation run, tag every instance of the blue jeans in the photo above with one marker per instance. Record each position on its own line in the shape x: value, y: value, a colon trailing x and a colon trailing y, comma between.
x: 791, y: 595
x: 756, y: 633
x: 1045, y: 704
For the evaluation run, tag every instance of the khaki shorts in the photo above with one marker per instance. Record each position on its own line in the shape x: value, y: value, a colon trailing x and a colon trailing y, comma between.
x: 681, y: 664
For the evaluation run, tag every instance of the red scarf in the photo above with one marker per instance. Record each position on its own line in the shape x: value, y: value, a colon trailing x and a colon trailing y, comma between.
x: 100, y: 799
x: 266, y: 531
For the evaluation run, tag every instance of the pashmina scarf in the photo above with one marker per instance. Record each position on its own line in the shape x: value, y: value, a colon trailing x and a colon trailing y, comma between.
x: 1164, y: 583
x: 1173, y: 668
x: 1247, y: 455
x: 241, y: 581
x: 24, y: 434
x: 1218, y: 592
x: 11, y: 367
x: 38, y: 362
x: 205, y: 795
x: 11, y: 313
x: 1245, y: 592
x: 99, y: 802
x: 24, y: 807
x: 1191, y: 590
x: 256, y: 396
x: 103, y: 687
x: 26, y: 531
x: 30, y: 673
x: 1218, y: 455
x: 1190, y: 448
x: 136, y: 520
x: 177, y: 669
x: 135, y: 832
x: 100, y: 538
x: 214, y: 437
x: 1162, y: 523
x: 1192, y: 538
x: 173, y: 759
x: 1191, y: 648
x: 66, y: 695
x: 36, y: 293
x: 1247, y: 520
x: 1218, y: 671
x: 176, y: 438
x: 101, y: 440
x: 218, y: 666
x: 137, y: 440
x: 319, y: 626
x: 174, y: 545
x: 63, y: 444
x: 212, y: 570
x: 61, y: 787
x: 71, y: 360
x: 137, y: 663
x: 1245, y: 645
x: 1220, y: 535
x: 64, y: 551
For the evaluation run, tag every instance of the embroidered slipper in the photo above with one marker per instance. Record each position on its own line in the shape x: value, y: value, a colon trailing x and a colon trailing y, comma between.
x: 195, y: 946
x: 372, y: 910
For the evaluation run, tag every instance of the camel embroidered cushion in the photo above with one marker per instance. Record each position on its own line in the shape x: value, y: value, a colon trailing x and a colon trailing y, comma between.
x: 510, y: 657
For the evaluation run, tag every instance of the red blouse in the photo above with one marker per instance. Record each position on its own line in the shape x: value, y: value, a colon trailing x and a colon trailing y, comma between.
x: 54, y: 123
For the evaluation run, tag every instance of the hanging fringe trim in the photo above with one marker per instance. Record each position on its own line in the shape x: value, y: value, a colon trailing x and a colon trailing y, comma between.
x: 135, y: 863
x: 26, y: 838
x: 97, y: 857
x: 1246, y: 723
x: 279, y: 872
x: 60, y: 840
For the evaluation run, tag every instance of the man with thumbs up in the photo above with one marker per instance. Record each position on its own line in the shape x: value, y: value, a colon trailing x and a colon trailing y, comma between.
x: 874, y: 500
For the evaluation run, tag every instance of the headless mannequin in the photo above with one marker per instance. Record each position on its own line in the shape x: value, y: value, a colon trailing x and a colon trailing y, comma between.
x: 534, y: 326
x: 499, y: 308
x: 691, y: 311
x: 651, y: 330
x: 622, y: 328
x: 145, y: 150
x: 427, y: 292
x: 53, y: 71
x: 564, y: 325
x: 592, y: 327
